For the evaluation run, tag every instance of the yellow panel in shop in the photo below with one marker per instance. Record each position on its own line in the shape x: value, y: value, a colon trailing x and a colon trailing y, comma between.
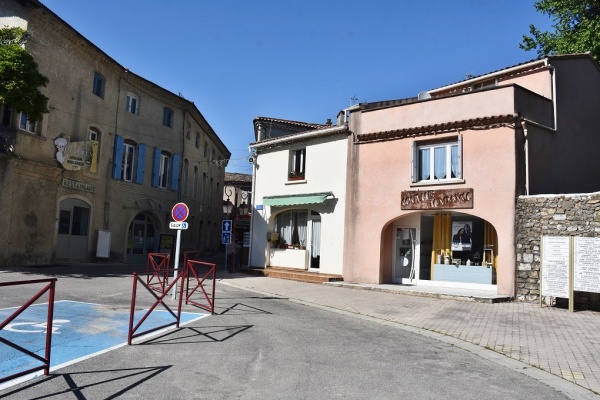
x: 442, y: 238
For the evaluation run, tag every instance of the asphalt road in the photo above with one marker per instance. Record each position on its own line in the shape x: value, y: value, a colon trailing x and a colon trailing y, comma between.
x: 261, y: 347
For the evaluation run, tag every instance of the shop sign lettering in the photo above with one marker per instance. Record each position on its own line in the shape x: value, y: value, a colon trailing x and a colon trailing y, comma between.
x: 436, y: 199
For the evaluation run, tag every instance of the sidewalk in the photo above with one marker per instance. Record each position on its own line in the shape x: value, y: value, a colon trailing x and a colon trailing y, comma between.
x: 564, y: 344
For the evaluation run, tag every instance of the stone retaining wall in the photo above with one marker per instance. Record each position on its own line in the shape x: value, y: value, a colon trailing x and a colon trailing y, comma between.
x: 551, y: 215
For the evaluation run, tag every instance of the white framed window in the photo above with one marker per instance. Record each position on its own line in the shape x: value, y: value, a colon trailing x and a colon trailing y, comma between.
x: 98, y: 84
x: 167, y: 117
x: 292, y: 227
x: 297, y: 164
x: 133, y: 104
x: 165, y: 170
x: 435, y: 162
x: 128, y: 160
x: 27, y: 125
x: 94, y: 134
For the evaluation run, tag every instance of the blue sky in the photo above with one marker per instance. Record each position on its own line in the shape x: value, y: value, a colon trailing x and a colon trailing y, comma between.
x: 301, y: 60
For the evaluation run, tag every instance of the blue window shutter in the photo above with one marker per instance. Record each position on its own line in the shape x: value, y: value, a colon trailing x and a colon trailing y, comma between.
x: 117, y: 172
x: 156, y: 167
x: 139, y: 173
x: 175, y: 173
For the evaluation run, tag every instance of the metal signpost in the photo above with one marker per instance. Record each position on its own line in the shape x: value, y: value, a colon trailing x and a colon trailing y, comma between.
x: 226, y: 230
x: 180, y: 212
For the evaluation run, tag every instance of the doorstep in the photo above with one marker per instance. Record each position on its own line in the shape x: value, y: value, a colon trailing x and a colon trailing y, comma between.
x: 292, y: 274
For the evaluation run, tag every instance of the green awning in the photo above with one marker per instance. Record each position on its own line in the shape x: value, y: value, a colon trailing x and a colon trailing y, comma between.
x: 297, y: 199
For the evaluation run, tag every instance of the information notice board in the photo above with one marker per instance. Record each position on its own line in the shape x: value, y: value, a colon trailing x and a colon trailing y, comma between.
x: 586, y: 264
x: 556, y: 252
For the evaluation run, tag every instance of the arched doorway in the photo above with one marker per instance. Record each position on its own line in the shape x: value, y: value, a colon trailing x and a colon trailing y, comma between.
x: 73, y: 229
x: 141, y: 238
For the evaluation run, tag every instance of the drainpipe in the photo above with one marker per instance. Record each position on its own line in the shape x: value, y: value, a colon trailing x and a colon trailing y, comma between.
x: 252, y: 217
x: 526, y: 149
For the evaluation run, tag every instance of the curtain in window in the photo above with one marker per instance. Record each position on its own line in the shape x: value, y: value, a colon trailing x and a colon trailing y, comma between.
x: 284, y: 226
x: 454, y: 160
x: 439, y: 158
x: 424, y: 164
x: 316, y: 238
x: 300, y: 224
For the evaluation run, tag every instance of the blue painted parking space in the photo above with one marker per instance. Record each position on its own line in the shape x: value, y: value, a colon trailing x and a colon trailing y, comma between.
x: 80, y: 331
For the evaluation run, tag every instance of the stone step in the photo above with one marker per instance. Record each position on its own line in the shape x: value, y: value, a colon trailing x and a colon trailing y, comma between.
x: 292, y: 274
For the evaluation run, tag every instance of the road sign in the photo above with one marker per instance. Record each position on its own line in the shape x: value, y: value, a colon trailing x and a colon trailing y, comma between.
x: 180, y: 212
x: 226, y: 225
x: 226, y: 238
x: 178, y: 225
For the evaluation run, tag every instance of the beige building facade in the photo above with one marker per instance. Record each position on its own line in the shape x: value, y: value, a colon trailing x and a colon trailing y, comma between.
x: 98, y: 176
x: 433, y: 180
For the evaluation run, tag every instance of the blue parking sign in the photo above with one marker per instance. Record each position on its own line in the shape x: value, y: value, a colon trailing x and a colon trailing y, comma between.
x: 226, y: 238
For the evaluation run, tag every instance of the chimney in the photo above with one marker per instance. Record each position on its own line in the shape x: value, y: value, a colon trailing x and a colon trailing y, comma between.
x: 328, y: 123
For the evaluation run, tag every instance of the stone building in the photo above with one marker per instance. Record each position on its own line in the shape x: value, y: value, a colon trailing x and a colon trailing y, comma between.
x: 99, y: 174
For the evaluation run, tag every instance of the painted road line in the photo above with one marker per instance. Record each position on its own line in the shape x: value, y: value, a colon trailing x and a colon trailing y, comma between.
x: 80, y: 331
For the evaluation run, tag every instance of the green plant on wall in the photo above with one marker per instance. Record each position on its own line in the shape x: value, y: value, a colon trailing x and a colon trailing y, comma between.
x: 20, y: 79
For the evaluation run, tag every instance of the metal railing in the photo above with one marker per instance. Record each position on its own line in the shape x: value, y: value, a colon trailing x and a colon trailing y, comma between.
x: 51, y: 289
x: 159, y: 299
x: 200, y: 272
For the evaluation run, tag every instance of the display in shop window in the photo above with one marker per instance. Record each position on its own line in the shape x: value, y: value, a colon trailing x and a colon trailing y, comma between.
x: 461, y: 236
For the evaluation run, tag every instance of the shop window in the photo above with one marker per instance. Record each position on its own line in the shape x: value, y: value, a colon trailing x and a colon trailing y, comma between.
x: 292, y: 227
x: 297, y: 164
x: 437, y: 162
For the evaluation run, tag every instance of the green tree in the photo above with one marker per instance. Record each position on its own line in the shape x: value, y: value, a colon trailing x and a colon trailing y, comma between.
x: 20, y: 79
x: 576, y: 24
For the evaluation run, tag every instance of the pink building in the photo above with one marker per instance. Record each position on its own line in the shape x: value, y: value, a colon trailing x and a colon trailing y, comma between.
x: 432, y: 181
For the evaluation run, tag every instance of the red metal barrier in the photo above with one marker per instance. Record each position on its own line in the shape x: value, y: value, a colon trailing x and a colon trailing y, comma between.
x: 193, y: 268
x: 159, y: 300
x: 156, y: 271
x: 50, y: 288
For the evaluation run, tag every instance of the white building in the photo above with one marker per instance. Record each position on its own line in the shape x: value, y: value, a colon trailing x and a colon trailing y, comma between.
x: 299, y: 197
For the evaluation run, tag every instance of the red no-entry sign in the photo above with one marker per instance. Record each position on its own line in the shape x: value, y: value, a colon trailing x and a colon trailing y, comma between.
x: 180, y: 212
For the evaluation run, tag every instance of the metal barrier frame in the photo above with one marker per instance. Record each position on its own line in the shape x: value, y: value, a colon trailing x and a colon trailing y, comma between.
x: 158, y: 271
x: 191, y: 269
x: 51, y: 288
x: 159, y: 300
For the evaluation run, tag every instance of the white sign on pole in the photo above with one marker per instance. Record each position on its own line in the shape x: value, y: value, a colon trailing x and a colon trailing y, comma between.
x: 178, y: 225
x: 555, y: 266
x: 586, y: 264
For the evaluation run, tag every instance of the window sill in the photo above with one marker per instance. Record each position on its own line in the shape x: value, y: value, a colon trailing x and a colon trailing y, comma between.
x: 438, y: 182
x: 295, y: 182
